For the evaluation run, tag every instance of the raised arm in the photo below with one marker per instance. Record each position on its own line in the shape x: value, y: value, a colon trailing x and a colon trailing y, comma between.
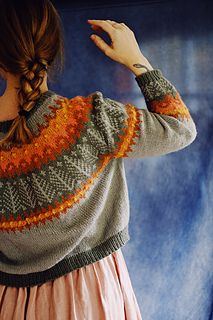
x: 127, y: 131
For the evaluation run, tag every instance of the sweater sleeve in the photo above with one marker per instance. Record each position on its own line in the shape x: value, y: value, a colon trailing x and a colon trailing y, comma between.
x: 126, y: 131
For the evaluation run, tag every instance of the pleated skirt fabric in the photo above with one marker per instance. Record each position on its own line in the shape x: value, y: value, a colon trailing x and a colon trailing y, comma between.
x: 98, y: 291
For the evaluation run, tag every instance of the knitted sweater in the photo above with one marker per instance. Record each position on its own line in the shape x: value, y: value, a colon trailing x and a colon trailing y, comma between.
x: 63, y: 197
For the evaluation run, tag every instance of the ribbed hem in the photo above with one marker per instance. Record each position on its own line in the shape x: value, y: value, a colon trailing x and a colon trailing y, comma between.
x: 148, y: 76
x: 67, y: 264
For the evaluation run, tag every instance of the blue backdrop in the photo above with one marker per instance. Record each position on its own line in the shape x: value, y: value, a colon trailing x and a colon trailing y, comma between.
x: 170, y: 254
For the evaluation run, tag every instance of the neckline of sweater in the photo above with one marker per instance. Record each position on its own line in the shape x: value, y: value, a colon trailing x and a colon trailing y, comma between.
x: 4, y: 125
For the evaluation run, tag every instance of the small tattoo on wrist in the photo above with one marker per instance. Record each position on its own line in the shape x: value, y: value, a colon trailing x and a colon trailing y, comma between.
x: 138, y: 65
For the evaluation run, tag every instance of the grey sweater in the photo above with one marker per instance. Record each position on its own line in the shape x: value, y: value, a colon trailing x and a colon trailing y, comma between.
x: 64, y: 197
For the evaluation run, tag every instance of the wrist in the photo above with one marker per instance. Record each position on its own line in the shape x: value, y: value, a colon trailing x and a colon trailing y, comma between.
x: 139, y: 65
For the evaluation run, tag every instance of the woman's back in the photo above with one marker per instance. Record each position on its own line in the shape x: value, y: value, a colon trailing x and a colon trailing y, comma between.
x: 65, y: 193
x: 64, y: 206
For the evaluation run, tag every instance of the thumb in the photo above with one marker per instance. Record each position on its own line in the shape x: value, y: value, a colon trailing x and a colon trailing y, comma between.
x: 101, y: 44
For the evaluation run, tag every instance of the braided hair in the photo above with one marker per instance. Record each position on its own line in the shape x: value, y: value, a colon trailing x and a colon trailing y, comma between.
x: 28, y: 93
x: 36, y: 40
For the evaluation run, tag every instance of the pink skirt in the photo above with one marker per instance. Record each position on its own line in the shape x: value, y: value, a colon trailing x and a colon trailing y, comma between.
x: 98, y: 291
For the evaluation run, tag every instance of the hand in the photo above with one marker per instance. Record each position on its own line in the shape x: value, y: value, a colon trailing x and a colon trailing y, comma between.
x: 124, y: 47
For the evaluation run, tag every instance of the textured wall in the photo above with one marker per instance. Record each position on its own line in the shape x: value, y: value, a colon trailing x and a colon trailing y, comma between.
x: 170, y: 254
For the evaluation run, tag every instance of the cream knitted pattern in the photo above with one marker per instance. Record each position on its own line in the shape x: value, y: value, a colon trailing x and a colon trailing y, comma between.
x: 64, y: 197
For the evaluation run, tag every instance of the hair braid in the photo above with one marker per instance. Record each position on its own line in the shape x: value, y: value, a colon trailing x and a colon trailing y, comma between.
x: 36, y: 41
x: 30, y: 82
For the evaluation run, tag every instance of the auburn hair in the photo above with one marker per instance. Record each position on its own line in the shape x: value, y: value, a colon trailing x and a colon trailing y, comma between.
x: 31, y: 43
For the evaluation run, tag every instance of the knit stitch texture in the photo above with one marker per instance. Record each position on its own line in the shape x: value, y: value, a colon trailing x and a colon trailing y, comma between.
x: 64, y: 197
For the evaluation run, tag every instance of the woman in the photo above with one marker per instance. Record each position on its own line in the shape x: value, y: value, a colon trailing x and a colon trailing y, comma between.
x: 63, y: 195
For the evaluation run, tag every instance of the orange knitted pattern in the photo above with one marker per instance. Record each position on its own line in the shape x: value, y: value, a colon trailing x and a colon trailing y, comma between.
x: 71, y: 118
x: 171, y: 106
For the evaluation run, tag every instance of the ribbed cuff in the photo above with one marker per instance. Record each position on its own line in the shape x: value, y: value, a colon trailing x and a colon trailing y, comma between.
x: 67, y: 264
x: 148, y: 76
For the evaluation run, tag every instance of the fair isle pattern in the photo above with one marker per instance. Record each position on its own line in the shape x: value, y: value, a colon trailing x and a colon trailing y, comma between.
x: 69, y: 117
x: 162, y: 97
x: 163, y: 106
x: 32, y: 196
x: 49, y: 225
x: 52, y: 210
x: 117, y: 121
x: 41, y: 180
x: 170, y: 104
